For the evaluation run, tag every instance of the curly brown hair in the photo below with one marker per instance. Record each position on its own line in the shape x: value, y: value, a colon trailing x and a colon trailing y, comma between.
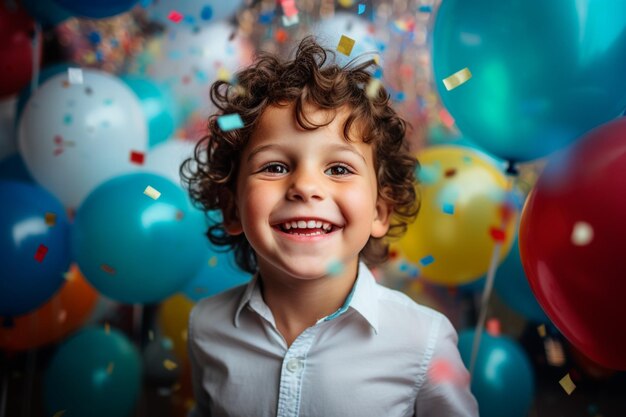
x: 310, y: 78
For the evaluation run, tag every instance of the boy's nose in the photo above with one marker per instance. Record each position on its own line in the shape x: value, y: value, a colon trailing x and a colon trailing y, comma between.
x: 305, y: 186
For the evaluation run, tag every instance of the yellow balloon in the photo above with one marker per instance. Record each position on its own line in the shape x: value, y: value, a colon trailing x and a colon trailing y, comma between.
x: 464, y: 210
x: 173, y: 320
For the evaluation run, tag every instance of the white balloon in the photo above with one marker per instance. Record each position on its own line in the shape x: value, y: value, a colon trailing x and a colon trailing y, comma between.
x: 329, y: 31
x: 73, y: 137
x: 189, y: 61
x: 166, y: 157
x: 8, y: 144
x: 192, y: 12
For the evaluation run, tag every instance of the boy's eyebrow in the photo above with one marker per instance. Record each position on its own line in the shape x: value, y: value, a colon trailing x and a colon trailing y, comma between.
x: 334, y: 147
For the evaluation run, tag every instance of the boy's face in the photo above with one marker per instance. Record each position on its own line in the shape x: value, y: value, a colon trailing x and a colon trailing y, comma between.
x: 288, y: 174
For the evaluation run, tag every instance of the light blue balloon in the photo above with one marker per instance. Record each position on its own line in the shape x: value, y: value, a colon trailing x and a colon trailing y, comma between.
x: 136, y: 249
x: 94, y: 373
x: 503, y: 381
x: 158, y: 105
x: 25, y: 281
x: 543, y: 72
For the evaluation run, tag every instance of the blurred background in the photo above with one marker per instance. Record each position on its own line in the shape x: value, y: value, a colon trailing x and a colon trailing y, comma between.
x: 515, y: 111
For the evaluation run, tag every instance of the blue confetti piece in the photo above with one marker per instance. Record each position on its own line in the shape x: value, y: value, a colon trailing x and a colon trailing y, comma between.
x: 230, y: 122
x: 361, y: 8
x: 67, y: 119
x: 400, y: 96
x: 335, y: 268
x: 206, y: 13
x: 448, y: 208
x: 94, y: 38
x: 378, y: 73
x: 425, y: 9
x: 190, y: 20
x: 266, y: 18
x: 403, y: 267
x: 427, y: 260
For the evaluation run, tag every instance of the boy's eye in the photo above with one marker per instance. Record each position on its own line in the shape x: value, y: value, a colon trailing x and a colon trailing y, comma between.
x: 339, y: 170
x: 274, y: 168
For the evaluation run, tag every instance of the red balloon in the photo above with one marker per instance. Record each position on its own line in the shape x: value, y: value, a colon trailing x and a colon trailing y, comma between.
x: 16, y: 49
x: 572, y: 243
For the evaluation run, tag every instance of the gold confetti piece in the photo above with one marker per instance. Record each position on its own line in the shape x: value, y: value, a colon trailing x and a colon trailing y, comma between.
x: 152, y: 193
x: 183, y: 334
x: 582, y: 234
x: 541, y: 329
x: 150, y: 335
x: 170, y: 365
x: 554, y: 352
x: 372, y: 88
x: 567, y: 384
x: 59, y: 413
x: 213, y: 261
x: 456, y: 79
x: 51, y: 219
x: 107, y: 328
x: 345, y: 45
x: 223, y: 74
x: 110, y: 368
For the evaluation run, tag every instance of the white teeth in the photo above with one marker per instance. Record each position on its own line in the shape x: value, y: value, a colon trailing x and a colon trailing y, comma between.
x: 287, y: 226
x: 302, y: 224
x: 294, y: 225
x: 318, y: 224
x: 310, y: 224
x: 326, y: 226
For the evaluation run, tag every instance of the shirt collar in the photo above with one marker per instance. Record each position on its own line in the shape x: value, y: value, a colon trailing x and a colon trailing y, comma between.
x: 363, y: 298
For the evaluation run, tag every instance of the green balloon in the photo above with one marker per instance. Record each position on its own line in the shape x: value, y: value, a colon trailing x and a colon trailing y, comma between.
x: 95, y: 373
x: 542, y: 72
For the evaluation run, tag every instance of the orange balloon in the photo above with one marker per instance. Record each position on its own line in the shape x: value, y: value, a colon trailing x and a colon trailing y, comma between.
x: 64, y: 312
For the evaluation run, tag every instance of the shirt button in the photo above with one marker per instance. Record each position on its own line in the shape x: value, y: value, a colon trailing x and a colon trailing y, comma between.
x: 293, y: 365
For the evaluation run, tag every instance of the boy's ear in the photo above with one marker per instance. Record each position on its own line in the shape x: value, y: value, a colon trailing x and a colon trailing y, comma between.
x: 382, y: 218
x: 232, y: 223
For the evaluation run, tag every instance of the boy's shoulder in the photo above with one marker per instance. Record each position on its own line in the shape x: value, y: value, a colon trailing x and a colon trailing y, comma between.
x: 216, y: 310
x: 394, y: 304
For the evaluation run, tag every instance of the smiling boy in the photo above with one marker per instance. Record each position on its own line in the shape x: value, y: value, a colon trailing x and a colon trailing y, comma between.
x: 310, y: 189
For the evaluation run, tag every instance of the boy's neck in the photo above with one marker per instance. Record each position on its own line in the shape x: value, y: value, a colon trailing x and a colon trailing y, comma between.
x: 299, y: 304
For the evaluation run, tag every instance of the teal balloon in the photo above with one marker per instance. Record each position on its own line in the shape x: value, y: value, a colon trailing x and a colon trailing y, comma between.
x: 219, y: 272
x: 136, y: 249
x: 94, y: 373
x: 543, y: 72
x: 513, y: 288
x: 503, y: 381
x: 158, y: 105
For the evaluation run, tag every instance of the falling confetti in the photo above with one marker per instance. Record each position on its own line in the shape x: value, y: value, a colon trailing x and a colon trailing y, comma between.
x: 541, y: 329
x: 448, y: 208
x: 175, y: 16
x: 41, y: 253
x: 169, y: 364
x: 345, y: 45
x: 108, y: 269
x: 230, y: 122
x: 75, y: 75
x: 51, y: 219
x: 456, y: 79
x: 372, y: 87
x: 107, y: 328
x: 137, y: 157
x: 427, y: 260
x: 493, y: 327
x: 110, y: 368
x: 152, y: 193
x: 567, y: 384
x: 361, y: 8
x: 582, y: 234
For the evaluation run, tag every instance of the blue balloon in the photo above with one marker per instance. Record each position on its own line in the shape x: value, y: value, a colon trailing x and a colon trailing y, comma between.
x: 45, y: 74
x: 542, y: 73
x: 96, y: 9
x: 35, y: 252
x: 94, y: 373
x: 13, y: 168
x: 158, y: 105
x: 136, y: 249
x: 503, y: 381
x: 46, y: 12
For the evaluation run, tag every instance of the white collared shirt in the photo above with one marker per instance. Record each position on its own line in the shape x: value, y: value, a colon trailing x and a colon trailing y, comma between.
x: 371, y: 358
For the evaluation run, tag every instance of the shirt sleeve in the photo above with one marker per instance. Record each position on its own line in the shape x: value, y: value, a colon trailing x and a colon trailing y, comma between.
x: 202, y: 405
x: 444, y: 390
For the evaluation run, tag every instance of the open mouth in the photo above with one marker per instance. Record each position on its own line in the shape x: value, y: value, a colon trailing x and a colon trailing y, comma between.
x: 311, y: 228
